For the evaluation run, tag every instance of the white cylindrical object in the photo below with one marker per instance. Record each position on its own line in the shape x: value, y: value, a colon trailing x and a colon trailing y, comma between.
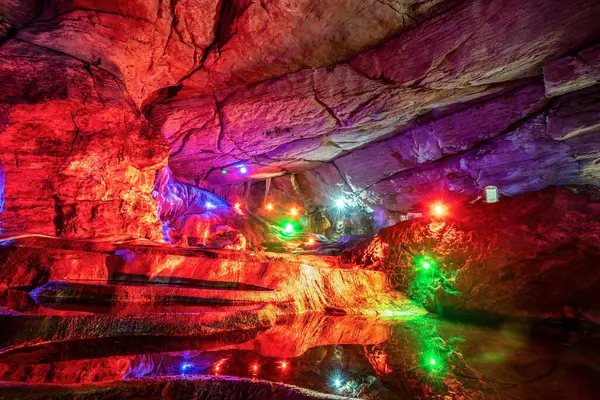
x: 491, y: 194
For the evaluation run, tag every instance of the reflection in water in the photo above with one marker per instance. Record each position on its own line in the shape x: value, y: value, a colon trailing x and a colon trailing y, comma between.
x: 375, y: 359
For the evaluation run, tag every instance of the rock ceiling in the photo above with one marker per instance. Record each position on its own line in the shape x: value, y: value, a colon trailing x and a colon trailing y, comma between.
x: 379, y: 92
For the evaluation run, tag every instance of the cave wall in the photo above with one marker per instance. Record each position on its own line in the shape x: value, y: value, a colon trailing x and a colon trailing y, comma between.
x: 78, y: 160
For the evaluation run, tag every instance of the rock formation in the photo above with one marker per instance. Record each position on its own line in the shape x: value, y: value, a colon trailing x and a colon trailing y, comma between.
x: 527, y: 256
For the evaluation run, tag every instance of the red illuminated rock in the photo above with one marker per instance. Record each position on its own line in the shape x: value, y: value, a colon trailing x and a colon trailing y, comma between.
x: 78, y: 160
x: 149, y: 45
x: 257, y: 41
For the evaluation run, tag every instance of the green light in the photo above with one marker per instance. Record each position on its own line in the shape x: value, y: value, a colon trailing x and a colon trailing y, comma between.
x: 425, y: 262
x: 289, y: 228
x: 432, y: 361
x: 224, y: 171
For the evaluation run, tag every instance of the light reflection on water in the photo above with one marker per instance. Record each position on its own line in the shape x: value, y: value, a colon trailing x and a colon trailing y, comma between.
x: 416, y: 358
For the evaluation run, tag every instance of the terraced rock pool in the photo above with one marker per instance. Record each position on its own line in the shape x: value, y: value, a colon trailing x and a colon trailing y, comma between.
x: 316, y: 356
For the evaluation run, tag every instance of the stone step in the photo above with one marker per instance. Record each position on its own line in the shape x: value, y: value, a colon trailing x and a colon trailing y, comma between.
x: 31, y: 261
x: 84, y: 276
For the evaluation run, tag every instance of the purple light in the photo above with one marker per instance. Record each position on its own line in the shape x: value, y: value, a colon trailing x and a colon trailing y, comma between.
x: 2, y: 198
x: 243, y: 169
x: 209, y: 205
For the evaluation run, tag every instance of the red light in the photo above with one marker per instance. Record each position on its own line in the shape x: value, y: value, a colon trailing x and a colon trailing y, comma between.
x: 255, y: 368
x: 218, y: 365
x: 269, y: 206
x: 439, y: 210
x: 283, y: 364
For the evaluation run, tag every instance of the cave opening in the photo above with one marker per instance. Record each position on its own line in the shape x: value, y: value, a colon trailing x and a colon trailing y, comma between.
x: 316, y: 199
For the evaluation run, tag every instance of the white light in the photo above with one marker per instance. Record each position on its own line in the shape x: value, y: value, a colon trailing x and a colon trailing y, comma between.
x: 491, y: 194
x: 210, y: 205
x: 337, y: 383
x: 340, y: 203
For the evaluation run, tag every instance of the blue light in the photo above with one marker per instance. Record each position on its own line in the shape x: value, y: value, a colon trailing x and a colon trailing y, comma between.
x: 185, y: 366
x: 243, y: 169
x: 209, y: 205
x: 337, y: 382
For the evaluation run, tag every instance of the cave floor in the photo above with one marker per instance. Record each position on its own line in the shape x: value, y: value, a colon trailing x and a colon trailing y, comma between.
x: 418, y: 357
x: 98, y: 320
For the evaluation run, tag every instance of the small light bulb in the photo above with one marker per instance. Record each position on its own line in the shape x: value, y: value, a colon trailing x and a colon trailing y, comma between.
x: 310, y: 241
x: 269, y: 206
x: 243, y: 170
x: 284, y: 364
x: 294, y: 211
x: 337, y: 383
x: 426, y: 265
x: 224, y: 171
x: 432, y: 361
x: 340, y: 203
x: 209, y: 205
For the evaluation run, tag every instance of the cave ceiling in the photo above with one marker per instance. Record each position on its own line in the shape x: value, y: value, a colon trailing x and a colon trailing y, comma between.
x: 372, y: 89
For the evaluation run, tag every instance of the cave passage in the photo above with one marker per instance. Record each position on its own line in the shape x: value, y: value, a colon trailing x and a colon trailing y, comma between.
x: 307, y: 199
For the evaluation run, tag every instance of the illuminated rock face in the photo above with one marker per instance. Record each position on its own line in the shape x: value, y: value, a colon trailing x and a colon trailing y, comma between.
x: 386, y: 101
x: 526, y: 256
x: 77, y: 158
x: 52, y: 276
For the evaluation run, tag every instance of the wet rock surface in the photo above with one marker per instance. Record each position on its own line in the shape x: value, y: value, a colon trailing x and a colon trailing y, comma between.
x: 41, y: 276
